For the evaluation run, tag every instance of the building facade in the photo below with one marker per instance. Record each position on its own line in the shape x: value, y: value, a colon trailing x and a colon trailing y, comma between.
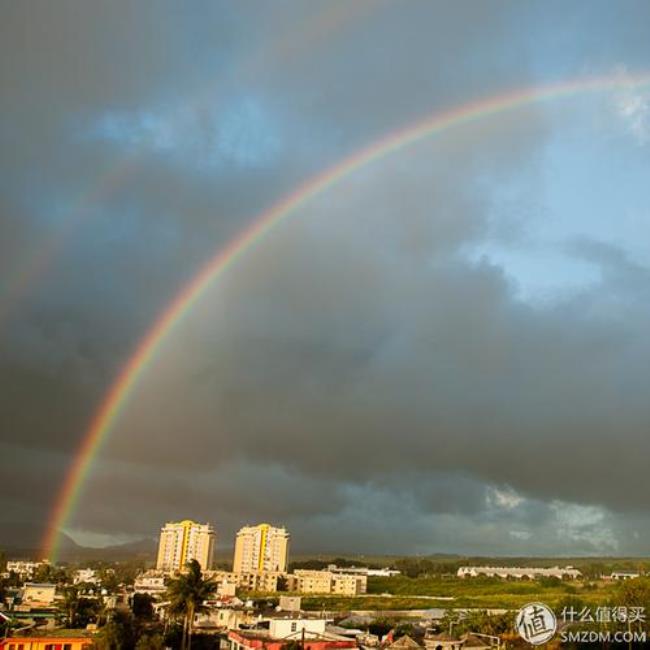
x: 150, y: 582
x: 88, y: 576
x: 519, y: 572
x: 47, y: 643
x: 38, y: 594
x: 183, y: 541
x: 262, y: 548
x: 306, y: 581
x: 310, y: 634
x: 24, y: 568
x: 249, y: 581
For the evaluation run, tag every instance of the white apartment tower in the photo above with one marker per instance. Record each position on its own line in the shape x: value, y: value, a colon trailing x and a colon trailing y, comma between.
x: 261, y: 548
x: 183, y: 541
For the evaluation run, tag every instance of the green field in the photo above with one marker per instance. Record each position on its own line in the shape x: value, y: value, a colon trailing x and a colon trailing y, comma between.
x: 401, y: 592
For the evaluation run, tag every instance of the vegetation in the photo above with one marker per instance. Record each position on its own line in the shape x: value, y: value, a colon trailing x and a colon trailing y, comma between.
x: 186, y: 595
x: 119, y: 633
x: 151, y: 641
x: 481, y: 621
x: 77, y: 610
x: 142, y: 607
x: 319, y: 564
x: 54, y: 574
x: 404, y: 593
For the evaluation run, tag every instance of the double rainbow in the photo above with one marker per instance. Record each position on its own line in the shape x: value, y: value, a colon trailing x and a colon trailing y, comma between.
x: 225, y: 258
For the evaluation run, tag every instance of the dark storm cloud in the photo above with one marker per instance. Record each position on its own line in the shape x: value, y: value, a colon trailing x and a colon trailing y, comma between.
x: 358, y: 371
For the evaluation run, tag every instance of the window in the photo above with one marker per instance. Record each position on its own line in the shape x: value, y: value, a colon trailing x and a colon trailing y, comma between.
x: 294, y: 627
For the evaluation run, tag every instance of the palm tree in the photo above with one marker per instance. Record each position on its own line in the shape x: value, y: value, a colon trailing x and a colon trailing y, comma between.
x: 70, y: 605
x: 186, y: 595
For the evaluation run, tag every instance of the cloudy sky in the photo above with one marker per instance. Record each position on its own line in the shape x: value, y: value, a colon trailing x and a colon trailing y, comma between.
x: 446, y: 351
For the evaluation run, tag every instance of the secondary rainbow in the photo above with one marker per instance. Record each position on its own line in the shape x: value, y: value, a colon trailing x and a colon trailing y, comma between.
x: 123, y: 386
x: 34, y: 264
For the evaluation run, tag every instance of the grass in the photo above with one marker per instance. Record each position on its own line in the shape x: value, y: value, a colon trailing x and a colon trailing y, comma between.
x: 401, y: 592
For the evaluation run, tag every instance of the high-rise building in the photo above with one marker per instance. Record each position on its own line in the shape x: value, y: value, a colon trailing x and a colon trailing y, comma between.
x: 183, y: 541
x: 261, y: 548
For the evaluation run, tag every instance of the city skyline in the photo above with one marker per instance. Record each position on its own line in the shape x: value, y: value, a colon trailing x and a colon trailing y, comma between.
x: 377, y: 274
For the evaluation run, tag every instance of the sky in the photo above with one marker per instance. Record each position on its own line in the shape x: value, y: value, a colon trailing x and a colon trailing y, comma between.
x: 446, y: 351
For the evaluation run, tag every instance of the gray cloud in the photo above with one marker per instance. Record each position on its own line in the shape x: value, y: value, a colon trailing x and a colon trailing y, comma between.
x: 361, y: 369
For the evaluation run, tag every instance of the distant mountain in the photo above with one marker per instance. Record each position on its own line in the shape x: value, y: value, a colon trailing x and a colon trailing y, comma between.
x: 142, y: 549
x: 21, y: 540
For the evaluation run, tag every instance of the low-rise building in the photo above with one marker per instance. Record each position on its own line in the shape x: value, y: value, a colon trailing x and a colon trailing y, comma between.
x: 268, y: 581
x: 404, y: 642
x: 25, y: 569
x: 301, y: 581
x: 38, y: 594
x: 310, y: 633
x: 326, y: 582
x: 624, y: 575
x: 349, y: 585
x: 519, y: 572
x: 224, y: 618
x: 85, y: 575
x: 364, y: 571
x: 151, y: 583
x: 63, y: 641
x: 308, y: 581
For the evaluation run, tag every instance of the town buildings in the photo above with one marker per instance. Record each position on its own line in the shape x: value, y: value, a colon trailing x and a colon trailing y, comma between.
x: 300, y: 581
x: 268, y: 581
x: 311, y: 634
x: 261, y: 548
x: 88, y: 576
x: 60, y: 642
x: 260, y: 562
x: 151, y: 583
x: 518, y: 572
x: 364, y: 571
x: 36, y: 594
x: 327, y: 582
x: 623, y: 575
x: 183, y: 541
x: 25, y: 569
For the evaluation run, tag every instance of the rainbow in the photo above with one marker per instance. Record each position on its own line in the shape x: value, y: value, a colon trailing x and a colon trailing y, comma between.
x: 225, y: 258
x: 34, y: 264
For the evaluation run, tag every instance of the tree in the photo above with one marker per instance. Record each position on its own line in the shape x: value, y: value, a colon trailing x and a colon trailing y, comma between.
x: 78, y: 611
x: 52, y: 574
x: 380, y: 626
x: 108, y: 580
x: 186, y: 595
x: 142, y: 606
x: 150, y: 641
x: 118, y: 633
x: 635, y: 592
x: 292, y: 645
x: 70, y: 604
